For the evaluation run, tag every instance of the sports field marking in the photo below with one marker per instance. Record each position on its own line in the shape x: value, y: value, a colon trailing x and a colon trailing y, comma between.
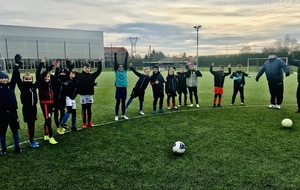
x: 168, y: 112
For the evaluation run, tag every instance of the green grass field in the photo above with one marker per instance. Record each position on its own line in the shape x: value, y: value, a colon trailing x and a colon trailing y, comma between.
x: 233, y: 147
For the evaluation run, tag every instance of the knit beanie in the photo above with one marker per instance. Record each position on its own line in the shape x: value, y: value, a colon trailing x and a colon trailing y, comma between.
x: 155, y: 67
x: 3, y: 75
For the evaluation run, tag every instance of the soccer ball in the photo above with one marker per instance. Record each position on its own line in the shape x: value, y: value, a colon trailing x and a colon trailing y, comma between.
x: 178, y: 147
x: 286, y: 123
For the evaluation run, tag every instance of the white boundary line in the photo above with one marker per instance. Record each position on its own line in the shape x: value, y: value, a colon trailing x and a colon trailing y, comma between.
x: 170, y: 112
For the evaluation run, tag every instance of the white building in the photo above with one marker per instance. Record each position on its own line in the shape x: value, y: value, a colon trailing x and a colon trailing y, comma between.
x: 33, y: 43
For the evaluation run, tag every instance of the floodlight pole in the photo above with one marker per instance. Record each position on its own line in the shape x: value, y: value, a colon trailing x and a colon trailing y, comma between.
x: 197, y: 28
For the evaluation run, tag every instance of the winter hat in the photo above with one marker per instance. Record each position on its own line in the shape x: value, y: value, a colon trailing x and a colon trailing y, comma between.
x: 64, y: 70
x: 155, y: 67
x: 3, y: 75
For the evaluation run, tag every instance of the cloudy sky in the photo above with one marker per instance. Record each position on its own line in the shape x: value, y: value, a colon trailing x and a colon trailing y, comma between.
x: 165, y: 25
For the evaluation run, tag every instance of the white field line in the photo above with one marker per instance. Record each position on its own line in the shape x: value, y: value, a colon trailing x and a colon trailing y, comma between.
x: 170, y: 112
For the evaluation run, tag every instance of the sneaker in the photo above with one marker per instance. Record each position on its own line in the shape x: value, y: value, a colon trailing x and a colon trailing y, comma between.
x: 186, y: 104
x: 277, y: 107
x: 74, y: 128
x: 242, y: 104
x: 52, y: 140
x: 175, y: 107
x: 18, y: 150
x: 60, y: 131
x: 231, y: 104
x: 124, y: 117
x: 219, y: 105
x: 191, y: 105
x: 169, y: 107
x: 154, y: 111
x: 297, y: 111
x: 179, y: 105
x: 34, y: 144
x: 3, y: 154
x: 84, y: 126
x: 142, y: 113
x: 116, y: 118
x: 161, y: 111
x: 46, y: 137
x: 90, y: 124
x: 214, y: 105
x: 271, y: 106
x: 64, y: 126
x: 197, y: 105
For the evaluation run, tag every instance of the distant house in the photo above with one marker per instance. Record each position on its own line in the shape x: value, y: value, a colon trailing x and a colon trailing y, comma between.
x: 109, y: 55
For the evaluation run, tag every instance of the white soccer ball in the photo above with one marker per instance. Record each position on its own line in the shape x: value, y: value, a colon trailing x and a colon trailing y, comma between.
x: 178, y: 147
x: 287, y: 123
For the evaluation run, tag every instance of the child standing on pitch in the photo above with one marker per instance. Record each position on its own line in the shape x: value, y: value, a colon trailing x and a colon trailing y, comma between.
x: 157, y: 82
x: 8, y: 112
x: 121, y: 86
x: 182, y: 88
x: 171, y: 88
x: 86, y: 83
x: 219, y: 78
x: 239, y: 82
x: 28, y: 98
x: 140, y: 87
x: 60, y: 81
x: 191, y: 83
x: 70, y: 91
x: 46, y: 96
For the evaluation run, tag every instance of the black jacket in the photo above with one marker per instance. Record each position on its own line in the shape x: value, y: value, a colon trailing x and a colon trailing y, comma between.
x: 157, y: 88
x: 45, y: 88
x: 28, y: 93
x: 295, y: 63
x: 86, y: 81
x: 8, y: 100
x: 219, y: 76
x: 181, y: 80
x: 240, y: 75
x: 171, y: 84
x: 143, y: 81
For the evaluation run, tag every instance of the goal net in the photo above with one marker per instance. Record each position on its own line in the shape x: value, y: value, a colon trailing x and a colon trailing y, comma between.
x: 254, y: 64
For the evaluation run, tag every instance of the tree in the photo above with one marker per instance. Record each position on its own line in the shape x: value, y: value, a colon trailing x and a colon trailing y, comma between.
x: 246, y: 49
x: 282, y: 45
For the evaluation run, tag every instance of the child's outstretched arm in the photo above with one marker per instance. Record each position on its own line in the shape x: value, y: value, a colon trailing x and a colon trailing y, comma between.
x: 134, y: 71
x: 16, y: 72
x: 125, y: 61
x: 116, y: 61
x: 38, y: 70
x: 211, y: 68
x: 99, y: 69
x: 229, y: 70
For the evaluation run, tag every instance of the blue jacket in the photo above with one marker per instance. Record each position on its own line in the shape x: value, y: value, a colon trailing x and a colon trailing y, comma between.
x: 273, y: 68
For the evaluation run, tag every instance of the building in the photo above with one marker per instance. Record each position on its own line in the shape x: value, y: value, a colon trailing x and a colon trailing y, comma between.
x: 33, y: 43
x: 109, y: 55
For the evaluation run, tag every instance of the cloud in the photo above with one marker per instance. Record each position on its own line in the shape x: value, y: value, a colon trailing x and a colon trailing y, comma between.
x: 165, y: 25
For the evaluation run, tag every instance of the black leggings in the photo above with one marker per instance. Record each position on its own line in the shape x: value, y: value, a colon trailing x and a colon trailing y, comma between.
x: 118, y: 102
x: 193, y: 90
x: 86, y: 109
x: 47, y: 112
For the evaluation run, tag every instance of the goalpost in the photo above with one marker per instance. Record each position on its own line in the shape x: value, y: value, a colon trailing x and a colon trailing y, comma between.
x: 2, y: 64
x: 256, y: 63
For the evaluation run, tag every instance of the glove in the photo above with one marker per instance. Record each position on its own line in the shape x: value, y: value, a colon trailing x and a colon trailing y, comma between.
x: 249, y: 76
x: 287, y: 74
x: 235, y: 78
x: 18, y: 59
x: 256, y: 79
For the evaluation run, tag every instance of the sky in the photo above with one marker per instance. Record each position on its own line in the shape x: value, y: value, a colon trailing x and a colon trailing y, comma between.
x: 165, y: 25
